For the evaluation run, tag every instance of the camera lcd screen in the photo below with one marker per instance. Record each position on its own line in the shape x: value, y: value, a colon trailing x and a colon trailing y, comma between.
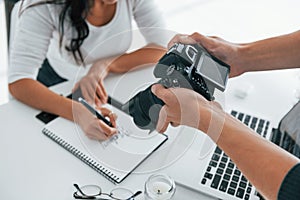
x: 213, y: 71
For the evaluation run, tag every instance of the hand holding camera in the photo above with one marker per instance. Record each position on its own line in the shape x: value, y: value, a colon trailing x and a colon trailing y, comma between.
x: 185, y: 66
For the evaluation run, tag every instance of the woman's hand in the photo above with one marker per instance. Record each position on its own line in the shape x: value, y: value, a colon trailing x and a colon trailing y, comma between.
x: 186, y: 107
x: 221, y: 49
x: 93, y: 127
x: 91, y: 85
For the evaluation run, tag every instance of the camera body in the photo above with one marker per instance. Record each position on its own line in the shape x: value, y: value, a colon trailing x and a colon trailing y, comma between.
x: 191, y: 66
x: 186, y: 66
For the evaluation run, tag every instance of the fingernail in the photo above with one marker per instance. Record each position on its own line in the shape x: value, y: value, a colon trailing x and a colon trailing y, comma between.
x: 184, y: 36
x: 113, y: 132
x: 154, y: 88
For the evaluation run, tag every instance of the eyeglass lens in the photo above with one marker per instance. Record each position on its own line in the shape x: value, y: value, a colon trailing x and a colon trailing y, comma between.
x: 121, y: 193
x: 91, y: 190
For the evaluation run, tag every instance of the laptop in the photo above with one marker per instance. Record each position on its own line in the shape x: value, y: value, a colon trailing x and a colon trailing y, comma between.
x: 207, y: 169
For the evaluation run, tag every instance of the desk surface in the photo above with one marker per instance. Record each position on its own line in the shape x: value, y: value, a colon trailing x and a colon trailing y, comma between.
x: 33, y: 166
x: 36, y: 166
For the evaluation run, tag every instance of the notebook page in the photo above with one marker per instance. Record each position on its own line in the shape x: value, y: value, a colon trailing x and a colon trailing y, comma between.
x: 119, y: 155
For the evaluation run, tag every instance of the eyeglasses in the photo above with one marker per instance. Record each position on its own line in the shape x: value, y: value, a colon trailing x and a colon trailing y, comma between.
x: 95, y: 192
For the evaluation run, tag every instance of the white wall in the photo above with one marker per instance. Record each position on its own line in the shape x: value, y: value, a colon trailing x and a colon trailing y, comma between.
x: 234, y: 20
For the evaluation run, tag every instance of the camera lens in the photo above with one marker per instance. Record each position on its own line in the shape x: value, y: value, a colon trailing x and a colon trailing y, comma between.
x: 144, y: 107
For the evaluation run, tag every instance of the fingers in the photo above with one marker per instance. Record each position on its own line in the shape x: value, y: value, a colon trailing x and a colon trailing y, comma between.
x: 97, y: 129
x: 100, y: 131
x: 88, y: 91
x: 101, y: 93
x: 94, y: 130
x: 162, y: 123
x: 192, y: 39
x: 159, y: 91
x: 175, y: 124
x: 93, y: 127
x: 107, y: 130
x: 93, y: 91
x: 168, y: 97
x: 113, y: 118
x: 197, y: 37
x: 111, y: 115
x: 206, y: 42
x: 217, y: 104
x: 99, y: 96
x: 75, y: 87
x: 163, y: 93
x: 209, y: 43
x: 181, y: 38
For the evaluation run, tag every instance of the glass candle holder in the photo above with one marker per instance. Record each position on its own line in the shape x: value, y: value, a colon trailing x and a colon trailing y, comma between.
x: 159, y: 187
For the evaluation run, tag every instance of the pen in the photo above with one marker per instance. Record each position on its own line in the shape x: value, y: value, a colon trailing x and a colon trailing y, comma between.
x: 94, y: 111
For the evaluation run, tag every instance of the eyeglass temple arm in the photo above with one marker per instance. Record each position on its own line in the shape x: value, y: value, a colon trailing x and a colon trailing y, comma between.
x: 78, y: 189
x: 134, y: 195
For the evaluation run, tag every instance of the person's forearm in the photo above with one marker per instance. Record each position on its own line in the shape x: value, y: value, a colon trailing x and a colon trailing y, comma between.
x: 142, y: 57
x: 280, y: 52
x: 40, y: 97
x: 262, y: 162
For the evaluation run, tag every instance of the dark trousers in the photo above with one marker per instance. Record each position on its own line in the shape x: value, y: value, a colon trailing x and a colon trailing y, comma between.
x: 48, y: 76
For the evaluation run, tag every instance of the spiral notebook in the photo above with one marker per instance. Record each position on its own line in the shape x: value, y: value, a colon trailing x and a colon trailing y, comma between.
x: 114, y: 158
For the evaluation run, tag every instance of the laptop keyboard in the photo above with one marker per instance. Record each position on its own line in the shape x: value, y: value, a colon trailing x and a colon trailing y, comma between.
x: 222, y: 174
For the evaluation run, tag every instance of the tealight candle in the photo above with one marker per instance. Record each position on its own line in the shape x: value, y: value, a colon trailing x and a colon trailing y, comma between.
x: 159, y: 187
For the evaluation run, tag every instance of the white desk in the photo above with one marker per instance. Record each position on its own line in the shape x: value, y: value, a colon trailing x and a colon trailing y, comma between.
x: 34, y: 167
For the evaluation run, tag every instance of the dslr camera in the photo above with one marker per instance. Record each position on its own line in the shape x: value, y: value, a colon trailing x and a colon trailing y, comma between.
x: 186, y: 66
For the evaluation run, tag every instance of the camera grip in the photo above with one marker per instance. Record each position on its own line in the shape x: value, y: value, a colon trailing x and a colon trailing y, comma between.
x: 144, y: 107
